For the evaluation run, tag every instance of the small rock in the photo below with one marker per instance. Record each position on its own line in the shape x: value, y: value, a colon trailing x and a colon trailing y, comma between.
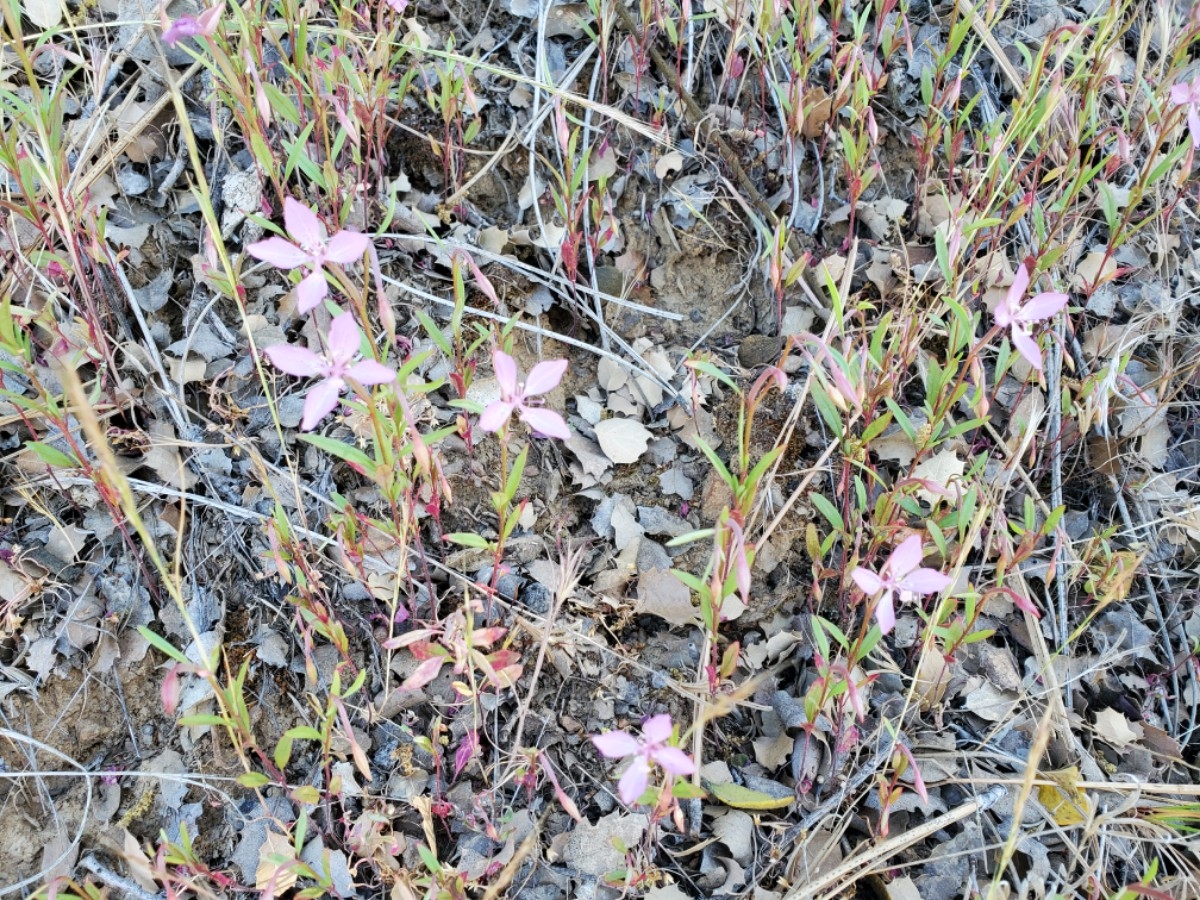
x: 657, y: 521
x: 652, y: 555
x: 759, y: 350
x: 537, y: 598
x: 714, y: 498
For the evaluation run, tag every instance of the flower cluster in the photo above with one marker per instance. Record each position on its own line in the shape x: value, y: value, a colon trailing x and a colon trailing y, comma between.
x: 339, y: 365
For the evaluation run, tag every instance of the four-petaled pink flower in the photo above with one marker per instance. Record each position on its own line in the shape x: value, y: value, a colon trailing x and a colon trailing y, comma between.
x: 514, y: 397
x: 311, y: 250
x: 1012, y: 315
x: 203, y: 25
x: 899, y: 575
x: 652, y: 748
x: 1188, y: 94
x: 335, y: 367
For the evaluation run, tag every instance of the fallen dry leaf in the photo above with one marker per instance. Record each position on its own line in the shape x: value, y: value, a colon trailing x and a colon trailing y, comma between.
x: 622, y: 440
x: 1115, y: 729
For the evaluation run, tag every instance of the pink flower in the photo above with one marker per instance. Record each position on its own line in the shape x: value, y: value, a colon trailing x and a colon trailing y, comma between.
x: 204, y: 25
x: 1188, y: 94
x: 335, y: 367
x: 899, y: 575
x: 652, y: 748
x: 311, y: 250
x: 514, y: 397
x: 1012, y: 315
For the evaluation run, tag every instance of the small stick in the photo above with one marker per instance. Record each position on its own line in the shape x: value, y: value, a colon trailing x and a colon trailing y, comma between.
x: 126, y: 885
x: 879, y: 854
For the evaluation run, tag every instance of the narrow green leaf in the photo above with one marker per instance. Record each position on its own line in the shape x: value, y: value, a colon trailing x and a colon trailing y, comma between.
x: 161, y: 644
x: 828, y: 510
x: 52, y: 456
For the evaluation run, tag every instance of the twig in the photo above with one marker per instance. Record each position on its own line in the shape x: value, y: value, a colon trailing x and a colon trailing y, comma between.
x: 130, y: 887
x: 858, y: 866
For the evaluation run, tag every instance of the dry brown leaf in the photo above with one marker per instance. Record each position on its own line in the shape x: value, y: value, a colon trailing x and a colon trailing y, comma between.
x: 276, y: 867
x: 43, y: 13
x: 1093, y: 270
x: 1113, y: 728
x: 941, y: 470
x: 622, y: 440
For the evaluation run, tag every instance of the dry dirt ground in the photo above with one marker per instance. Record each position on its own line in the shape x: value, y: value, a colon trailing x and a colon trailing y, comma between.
x: 1055, y: 755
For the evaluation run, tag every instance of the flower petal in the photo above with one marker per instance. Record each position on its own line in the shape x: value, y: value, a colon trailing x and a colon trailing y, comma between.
x: 347, y: 247
x: 209, y: 19
x: 320, y: 402
x: 1027, y: 347
x: 546, y: 421
x: 657, y: 729
x: 544, y: 377
x: 868, y: 582
x: 344, y: 338
x: 673, y: 760
x: 633, y: 783
x: 298, y: 361
x: 311, y: 290
x: 497, y: 413
x: 1181, y: 93
x: 370, y: 372
x: 1194, y: 123
x: 302, y: 224
x: 505, y: 368
x: 1016, y: 291
x: 275, y: 250
x: 183, y: 27
x: 906, y: 556
x: 615, y: 744
x: 1043, y: 306
x: 925, y: 581
x: 885, y: 613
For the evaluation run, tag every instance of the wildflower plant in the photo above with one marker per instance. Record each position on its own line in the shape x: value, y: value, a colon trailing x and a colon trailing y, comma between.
x: 1187, y: 95
x: 311, y: 249
x: 515, y: 397
x: 203, y: 25
x: 653, y: 748
x: 901, y: 578
x: 1018, y: 317
x: 338, y: 367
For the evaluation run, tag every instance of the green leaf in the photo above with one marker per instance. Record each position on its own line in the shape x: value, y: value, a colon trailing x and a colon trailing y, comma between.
x: 307, y: 794
x: 690, y: 537
x: 51, y: 456
x: 685, y: 790
x: 435, y: 334
x: 828, y: 510
x: 427, y: 857
x: 739, y: 797
x: 253, y: 780
x: 200, y: 721
x: 722, y: 471
x: 513, y: 481
x: 162, y: 645
x: 341, y: 450
x: 709, y: 369
x: 468, y: 539
x: 690, y: 580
